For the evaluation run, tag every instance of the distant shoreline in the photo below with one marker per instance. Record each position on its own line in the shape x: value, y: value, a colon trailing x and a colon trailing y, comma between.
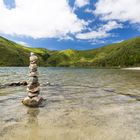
x: 134, y: 68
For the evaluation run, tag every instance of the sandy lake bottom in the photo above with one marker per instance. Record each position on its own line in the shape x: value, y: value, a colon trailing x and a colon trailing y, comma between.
x: 81, y: 104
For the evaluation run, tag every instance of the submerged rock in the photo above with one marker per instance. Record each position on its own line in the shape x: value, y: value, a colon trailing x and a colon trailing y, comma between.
x: 14, y: 84
x: 24, y: 83
x: 32, y: 102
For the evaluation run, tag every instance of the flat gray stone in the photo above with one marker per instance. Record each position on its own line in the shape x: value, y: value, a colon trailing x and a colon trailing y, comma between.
x: 32, y: 74
x: 35, y: 89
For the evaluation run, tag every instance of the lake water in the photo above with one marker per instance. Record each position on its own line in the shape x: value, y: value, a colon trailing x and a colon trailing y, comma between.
x: 81, y: 104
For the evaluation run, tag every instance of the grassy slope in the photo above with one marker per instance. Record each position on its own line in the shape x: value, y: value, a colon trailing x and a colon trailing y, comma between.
x: 122, y: 54
x: 126, y: 53
x: 12, y: 54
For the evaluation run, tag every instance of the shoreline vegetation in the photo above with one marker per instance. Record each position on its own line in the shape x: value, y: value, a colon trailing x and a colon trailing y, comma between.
x: 119, y: 55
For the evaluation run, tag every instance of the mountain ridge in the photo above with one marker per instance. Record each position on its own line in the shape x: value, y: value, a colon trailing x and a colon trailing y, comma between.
x: 123, y: 54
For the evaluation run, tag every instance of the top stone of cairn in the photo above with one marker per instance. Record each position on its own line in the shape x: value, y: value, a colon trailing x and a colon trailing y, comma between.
x: 33, y: 58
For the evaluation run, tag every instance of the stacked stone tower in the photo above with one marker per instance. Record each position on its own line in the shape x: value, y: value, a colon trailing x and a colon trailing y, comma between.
x: 33, y: 85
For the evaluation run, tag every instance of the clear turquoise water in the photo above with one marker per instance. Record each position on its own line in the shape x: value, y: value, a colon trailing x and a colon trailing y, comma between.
x: 81, y: 104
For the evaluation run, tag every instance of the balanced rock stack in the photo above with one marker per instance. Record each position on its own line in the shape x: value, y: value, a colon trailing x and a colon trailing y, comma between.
x: 33, y: 89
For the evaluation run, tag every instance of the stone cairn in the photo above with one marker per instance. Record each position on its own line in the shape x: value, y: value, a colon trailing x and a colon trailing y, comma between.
x: 33, y: 100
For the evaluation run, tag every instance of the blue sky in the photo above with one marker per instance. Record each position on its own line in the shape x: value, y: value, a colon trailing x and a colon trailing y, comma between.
x: 73, y: 24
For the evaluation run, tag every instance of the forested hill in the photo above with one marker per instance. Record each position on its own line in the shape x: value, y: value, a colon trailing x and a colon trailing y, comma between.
x: 124, y: 54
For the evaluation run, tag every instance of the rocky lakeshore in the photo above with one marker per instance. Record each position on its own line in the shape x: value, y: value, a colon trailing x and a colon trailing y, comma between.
x: 132, y: 68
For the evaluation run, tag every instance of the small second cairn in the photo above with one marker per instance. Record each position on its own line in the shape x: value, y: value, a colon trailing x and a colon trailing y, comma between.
x: 33, y: 100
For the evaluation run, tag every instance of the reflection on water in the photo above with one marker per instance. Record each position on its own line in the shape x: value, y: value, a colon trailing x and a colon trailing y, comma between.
x: 33, y: 123
x: 81, y: 104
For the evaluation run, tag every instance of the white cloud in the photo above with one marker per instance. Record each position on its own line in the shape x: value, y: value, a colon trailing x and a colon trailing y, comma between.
x: 101, y: 32
x: 92, y: 35
x: 121, y: 10
x: 110, y: 26
x: 40, y: 19
x: 118, y: 41
x: 87, y: 10
x: 22, y: 43
x: 65, y: 38
x: 81, y: 3
x: 98, y: 41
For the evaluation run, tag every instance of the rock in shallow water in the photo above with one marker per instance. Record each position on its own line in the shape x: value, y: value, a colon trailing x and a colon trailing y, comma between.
x: 24, y: 83
x: 32, y: 102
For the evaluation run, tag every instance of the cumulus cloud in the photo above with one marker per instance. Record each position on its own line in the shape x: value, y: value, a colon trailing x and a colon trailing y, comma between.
x: 118, y: 41
x: 101, y: 32
x: 121, y: 10
x: 40, y: 19
x: 81, y: 3
x: 22, y: 43
x: 110, y: 26
x: 98, y: 41
x: 92, y: 35
x: 87, y: 10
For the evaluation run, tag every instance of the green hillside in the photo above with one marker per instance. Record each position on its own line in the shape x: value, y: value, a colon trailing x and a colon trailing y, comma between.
x: 124, y: 54
x: 13, y: 54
